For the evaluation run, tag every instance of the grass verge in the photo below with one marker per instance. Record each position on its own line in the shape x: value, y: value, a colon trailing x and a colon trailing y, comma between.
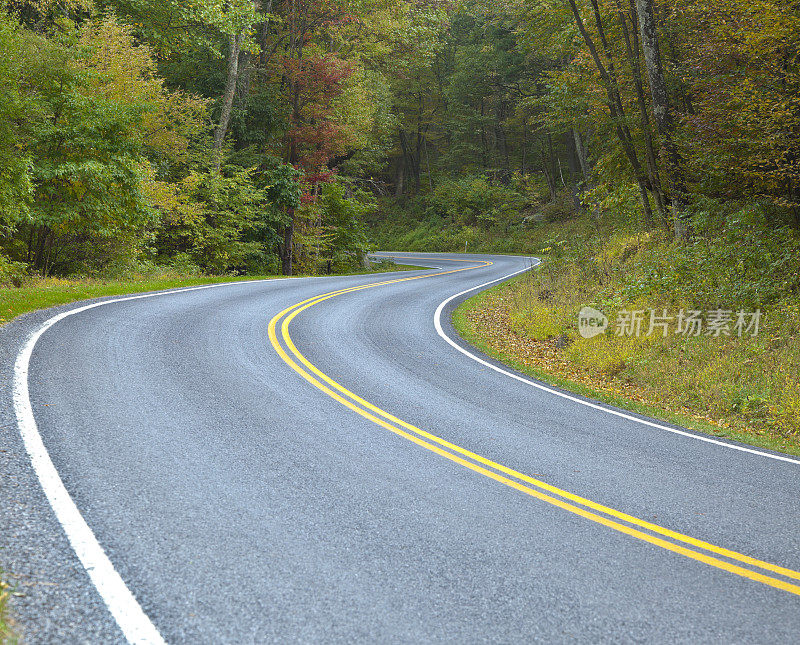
x: 499, y: 323
x: 40, y: 293
x: 51, y: 292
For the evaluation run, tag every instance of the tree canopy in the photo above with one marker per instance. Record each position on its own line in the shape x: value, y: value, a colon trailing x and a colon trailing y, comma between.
x: 245, y: 136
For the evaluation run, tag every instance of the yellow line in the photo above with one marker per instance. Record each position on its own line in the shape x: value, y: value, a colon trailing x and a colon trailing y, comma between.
x: 370, y: 409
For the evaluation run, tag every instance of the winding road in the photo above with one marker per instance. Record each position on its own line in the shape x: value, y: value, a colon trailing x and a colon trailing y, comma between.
x: 323, y: 460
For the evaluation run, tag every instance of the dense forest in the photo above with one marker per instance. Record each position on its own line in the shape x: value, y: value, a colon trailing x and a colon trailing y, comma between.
x: 231, y: 136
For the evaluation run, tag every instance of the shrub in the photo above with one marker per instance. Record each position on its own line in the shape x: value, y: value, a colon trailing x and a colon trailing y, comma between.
x: 11, y: 273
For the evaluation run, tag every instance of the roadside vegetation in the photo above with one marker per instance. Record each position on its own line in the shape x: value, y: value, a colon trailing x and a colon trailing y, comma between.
x: 744, y: 387
x: 222, y: 138
x: 7, y: 634
x: 38, y: 292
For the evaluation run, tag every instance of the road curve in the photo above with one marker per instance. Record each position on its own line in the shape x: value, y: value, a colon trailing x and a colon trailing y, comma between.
x: 257, y: 469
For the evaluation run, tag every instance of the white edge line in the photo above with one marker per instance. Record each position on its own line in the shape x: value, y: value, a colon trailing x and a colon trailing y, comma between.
x: 134, y: 623
x: 437, y: 322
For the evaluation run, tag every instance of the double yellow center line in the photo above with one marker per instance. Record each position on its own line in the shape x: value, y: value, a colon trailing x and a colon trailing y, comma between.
x: 710, y: 554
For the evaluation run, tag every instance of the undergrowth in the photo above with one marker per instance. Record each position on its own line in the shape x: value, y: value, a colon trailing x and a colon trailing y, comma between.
x: 749, y: 383
x: 7, y: 635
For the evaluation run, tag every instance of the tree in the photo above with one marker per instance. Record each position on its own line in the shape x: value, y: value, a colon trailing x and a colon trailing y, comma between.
x: 15, y: 177
x: 663, y: 114
x: 239, y: 18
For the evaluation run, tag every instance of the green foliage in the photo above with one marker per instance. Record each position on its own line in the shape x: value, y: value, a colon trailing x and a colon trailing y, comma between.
x: 104, y: 163
x: 283, y: 188
x: 368, y: 123
x: 94, y: 112
x: 469, y: 212
x: 344, y: 215
x: 741, y: 66
x: 174, y: 25
x: 15, y: 183
x: 561, y: 208
x: 486, y: 78
x: 473, y: 201
x: 745, y: 266
x: 11, y: 273
x: 209, y: 221
x: 330, y: 234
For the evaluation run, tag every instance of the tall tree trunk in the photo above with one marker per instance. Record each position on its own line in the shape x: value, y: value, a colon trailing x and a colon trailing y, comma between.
x: 29, y: 254
x: 574, y: 171
x: 671, y: 51
x: 399, y: 177
x: 632, y: 50
x: 263, y: 34
x: 293, y: 158
x: 235, y: 46
x: 614, y: 103
x: 502, y: 141
x: 242, y: 92
x: 293, y: 155
x: 582, y: 153
x: 582, y: 150
x: 553, y: 162
x: 484, y: 143
x: 549, y: 176
x: 411, y: 163
x: 427, y: 158
x: 662, y: 112
x: 288, y: 243
x: 572, y: 156
x: 418, y: 158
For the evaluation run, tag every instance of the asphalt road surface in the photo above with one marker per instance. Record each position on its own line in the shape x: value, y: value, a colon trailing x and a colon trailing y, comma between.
x: 351, y: 476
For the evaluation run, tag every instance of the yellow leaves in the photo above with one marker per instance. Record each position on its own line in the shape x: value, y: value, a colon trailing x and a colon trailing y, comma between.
x: 122, y: 71
x: 119, y: 65
x: 357, y: 109
x: 173, y: 201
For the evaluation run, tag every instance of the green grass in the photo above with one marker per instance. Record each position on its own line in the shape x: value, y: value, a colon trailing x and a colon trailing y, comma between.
x: 383, y: 267
x: 50, y: 292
